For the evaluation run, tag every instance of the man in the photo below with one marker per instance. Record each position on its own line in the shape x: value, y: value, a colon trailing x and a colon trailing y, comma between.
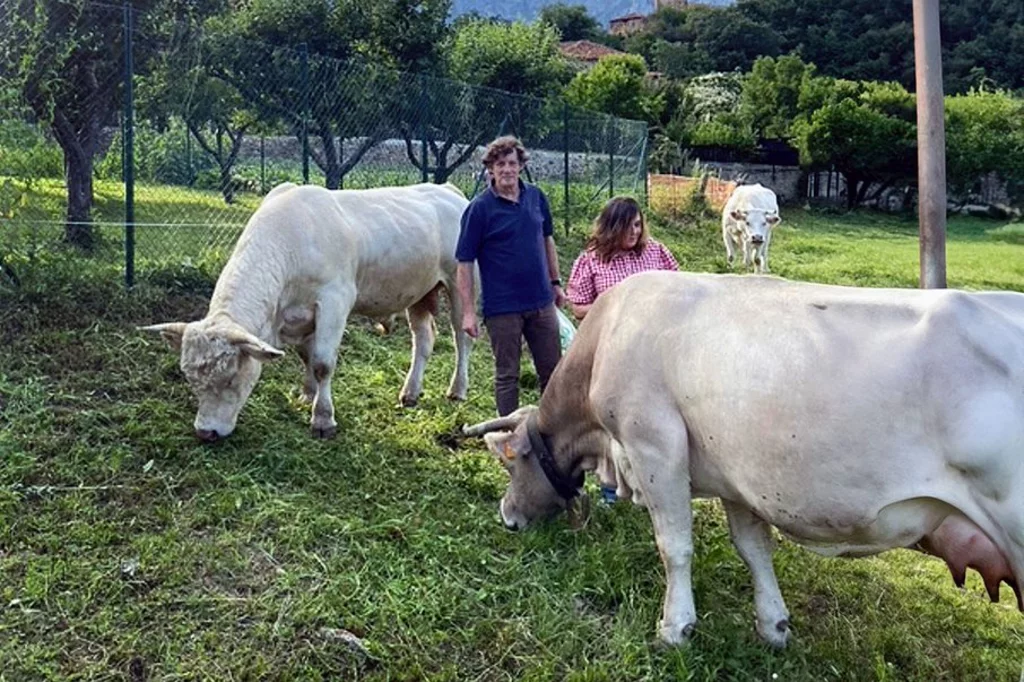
x: 507, y: 230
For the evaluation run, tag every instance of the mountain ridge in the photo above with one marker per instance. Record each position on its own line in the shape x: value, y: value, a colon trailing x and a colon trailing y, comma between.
x: 528, y: 10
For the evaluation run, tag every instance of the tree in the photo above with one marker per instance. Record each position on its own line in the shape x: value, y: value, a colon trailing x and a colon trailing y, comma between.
x: 67, y: 61
x: 689, y: 41
x: 874, y: 39
x: 679, y: 61
x: 342, y: 85
x: 215, y: 115
x: 770, y: 98
x: 452, y: 119
x: 516, y: 57
x: 616, y: 85
x: 869, y: 137
x: 731, y: 39
x: 984, y: 134
x: 573, y: 22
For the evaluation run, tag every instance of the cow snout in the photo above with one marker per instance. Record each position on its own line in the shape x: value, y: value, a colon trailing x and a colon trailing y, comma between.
x: 756, y: 239
x: 207, y: 435
x: 510, y: 520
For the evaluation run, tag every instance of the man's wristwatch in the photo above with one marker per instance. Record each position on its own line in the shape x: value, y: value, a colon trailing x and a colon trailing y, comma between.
x: 556, y: 282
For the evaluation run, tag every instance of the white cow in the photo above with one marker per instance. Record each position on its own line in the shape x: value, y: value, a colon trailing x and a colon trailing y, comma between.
x: 854, y: 420
x: 308, y: 258
x: 747, y: 221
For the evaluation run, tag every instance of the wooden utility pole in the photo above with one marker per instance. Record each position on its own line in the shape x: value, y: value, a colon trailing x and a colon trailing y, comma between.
x: 931, y: 144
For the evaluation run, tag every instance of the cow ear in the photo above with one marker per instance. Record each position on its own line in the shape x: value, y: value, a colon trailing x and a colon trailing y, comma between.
x: 170, y: 331
x: 508, y: 446
x: 738, y: 216
x: 773, y: 218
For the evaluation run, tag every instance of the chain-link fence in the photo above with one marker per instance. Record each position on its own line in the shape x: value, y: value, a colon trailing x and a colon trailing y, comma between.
x: 145, y: 140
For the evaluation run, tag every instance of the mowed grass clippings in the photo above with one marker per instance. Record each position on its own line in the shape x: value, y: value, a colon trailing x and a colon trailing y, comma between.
x: 129, y: 551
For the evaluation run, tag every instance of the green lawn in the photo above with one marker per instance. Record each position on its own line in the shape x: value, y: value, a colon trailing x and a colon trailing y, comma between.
x: 130, y: 551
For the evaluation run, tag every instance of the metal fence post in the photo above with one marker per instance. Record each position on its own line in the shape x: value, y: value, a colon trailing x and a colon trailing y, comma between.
x: 304, y: 58
x: 423, y: 126
x: 263, y: 164
x: 611, y: 160
x: 128, y: 153
x: 565, y: 143
x: 189, y: 179
x: 643, y: 167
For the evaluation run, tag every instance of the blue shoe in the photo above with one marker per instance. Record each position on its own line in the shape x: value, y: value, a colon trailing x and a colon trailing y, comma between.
x: 608, y: 495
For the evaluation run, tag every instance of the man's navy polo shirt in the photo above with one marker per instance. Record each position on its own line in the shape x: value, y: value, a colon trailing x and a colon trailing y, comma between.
x: 506, y: 239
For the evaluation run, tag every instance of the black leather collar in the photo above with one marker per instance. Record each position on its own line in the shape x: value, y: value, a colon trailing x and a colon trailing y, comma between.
x: 566, y: 487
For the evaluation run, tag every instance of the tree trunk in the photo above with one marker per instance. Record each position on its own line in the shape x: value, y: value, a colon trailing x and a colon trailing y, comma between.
x: 78, y: 228
x: 227, y: 187
x: 330, y: 164
x: 852, y: 190
x: 366, y: 145
x: 78, y: 146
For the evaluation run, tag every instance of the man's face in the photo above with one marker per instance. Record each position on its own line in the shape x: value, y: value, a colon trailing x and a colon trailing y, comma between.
x: 505, y: 171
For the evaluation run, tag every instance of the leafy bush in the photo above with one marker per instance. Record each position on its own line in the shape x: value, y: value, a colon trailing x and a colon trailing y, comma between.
x: 984, y: 134
x: 720, y: 133
x: 161, y: 156
x: 26, y: 152
x: 617, y: 85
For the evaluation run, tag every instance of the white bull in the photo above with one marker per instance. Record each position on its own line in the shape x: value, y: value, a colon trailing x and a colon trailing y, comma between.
x: 307, y: 259
x: 854, y: 420
x: 747, y: 221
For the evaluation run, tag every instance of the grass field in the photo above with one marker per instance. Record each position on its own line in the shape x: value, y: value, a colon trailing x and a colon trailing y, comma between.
x: 128, y: 551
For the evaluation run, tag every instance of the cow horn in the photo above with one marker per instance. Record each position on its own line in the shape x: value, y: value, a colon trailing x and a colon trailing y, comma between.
x: 507, y: 423
x: 252, y: 344
x: 167, y: 327
x: 170, y: 331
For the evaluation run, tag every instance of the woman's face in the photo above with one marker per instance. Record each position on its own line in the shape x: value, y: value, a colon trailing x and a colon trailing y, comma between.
x: 633, y: 232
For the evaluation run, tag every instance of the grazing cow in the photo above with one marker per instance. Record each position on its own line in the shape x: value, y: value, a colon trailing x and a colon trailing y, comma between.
x: 854, y: 420
x: 308, y: 258
x: 747, y: 221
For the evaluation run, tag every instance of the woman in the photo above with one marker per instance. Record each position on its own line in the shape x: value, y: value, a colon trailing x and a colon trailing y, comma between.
x: 618, y: 247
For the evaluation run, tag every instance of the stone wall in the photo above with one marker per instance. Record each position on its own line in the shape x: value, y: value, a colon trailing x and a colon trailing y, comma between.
x: 391, y: 154
x: 785, y: 181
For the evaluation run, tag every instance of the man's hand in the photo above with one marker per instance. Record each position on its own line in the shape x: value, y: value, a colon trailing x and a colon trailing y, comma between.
x: 469, y: 324
x: 559, y: 296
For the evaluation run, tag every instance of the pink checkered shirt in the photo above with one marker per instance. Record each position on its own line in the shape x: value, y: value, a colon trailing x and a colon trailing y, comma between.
x: 590, y: 277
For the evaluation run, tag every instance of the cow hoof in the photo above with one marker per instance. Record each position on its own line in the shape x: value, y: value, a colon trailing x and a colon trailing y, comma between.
x: 674, y: 635
x: 456, y: 397
x: 324, y: 432
x: 776, y: 635
x: 409, y: 401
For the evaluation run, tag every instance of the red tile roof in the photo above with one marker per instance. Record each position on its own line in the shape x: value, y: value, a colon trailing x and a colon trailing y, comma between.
x: 586, y: 50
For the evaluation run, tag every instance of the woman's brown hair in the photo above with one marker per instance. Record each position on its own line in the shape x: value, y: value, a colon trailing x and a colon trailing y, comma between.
x: 614, y: 221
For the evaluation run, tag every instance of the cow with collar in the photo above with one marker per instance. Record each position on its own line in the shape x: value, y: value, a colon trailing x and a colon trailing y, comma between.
x: 887, y: 418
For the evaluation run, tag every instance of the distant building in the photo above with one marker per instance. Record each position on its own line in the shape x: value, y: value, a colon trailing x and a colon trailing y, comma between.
x: 583, y: 54
x: 627, y: 24
x: 634, y: 22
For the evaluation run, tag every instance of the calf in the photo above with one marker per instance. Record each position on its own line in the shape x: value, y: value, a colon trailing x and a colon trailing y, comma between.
x: 747, y: 221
